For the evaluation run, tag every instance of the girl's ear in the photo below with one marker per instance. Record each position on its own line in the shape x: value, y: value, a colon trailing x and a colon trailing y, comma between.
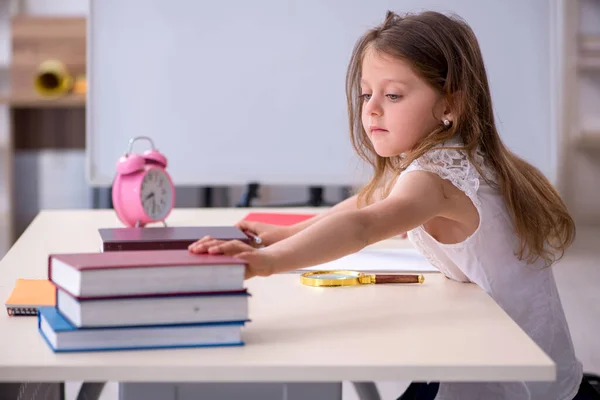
x: 448, y: 116
x: 444, y: 111
x: 447, y: 108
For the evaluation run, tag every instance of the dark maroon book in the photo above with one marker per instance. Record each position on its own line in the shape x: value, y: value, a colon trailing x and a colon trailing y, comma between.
x: 164, y: 238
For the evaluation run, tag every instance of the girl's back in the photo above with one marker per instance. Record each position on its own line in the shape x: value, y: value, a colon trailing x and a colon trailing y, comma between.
x: 527, y: 292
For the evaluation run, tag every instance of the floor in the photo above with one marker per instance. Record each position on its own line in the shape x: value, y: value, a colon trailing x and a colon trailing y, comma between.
x: 578, y: 277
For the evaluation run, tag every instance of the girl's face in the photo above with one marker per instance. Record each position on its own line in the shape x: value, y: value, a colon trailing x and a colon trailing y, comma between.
x: 399, y: 107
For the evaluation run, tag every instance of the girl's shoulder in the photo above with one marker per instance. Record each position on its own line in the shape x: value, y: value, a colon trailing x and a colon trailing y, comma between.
x: 452, y: 162
x: 450, y: 158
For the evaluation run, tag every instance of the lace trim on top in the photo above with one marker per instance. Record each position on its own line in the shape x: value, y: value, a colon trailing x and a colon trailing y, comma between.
x: 454, y: 166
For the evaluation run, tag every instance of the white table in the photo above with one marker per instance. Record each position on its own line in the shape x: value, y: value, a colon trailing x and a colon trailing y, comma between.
x: 440, y: 330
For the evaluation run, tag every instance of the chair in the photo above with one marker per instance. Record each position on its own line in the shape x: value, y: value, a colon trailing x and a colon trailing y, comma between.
x: 594, y: 381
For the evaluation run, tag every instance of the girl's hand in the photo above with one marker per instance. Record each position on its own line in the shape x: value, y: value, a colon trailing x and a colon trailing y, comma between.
x: 268, y: 233
x: 259, y: 262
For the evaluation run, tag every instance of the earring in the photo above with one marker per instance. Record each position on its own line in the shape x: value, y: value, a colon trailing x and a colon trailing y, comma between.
x: 446, y: 122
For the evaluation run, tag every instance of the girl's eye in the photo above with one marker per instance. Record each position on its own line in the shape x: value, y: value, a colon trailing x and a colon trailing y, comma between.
x: 365, y: 96
x: 393, y: 97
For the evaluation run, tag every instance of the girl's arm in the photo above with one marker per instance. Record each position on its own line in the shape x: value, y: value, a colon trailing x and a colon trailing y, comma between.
x: 346, y: 205
x: 349, y: 204
x: 271, y: 234
x: 415, y: 199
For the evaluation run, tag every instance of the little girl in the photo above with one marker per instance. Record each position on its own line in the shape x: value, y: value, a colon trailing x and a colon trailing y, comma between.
x: 421, y: 114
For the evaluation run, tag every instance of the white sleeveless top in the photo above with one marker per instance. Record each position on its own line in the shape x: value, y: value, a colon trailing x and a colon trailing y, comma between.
x: 527, y: 293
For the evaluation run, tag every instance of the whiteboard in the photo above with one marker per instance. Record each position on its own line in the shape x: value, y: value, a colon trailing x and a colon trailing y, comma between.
x: 242, y: 91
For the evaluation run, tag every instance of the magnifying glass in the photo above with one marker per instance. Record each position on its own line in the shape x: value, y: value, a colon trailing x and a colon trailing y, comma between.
x: 352, y: 278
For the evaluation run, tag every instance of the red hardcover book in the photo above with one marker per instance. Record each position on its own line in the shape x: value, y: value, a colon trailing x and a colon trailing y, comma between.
x: 144, y: 273
x: 164, y: 238
x: 277, y: 218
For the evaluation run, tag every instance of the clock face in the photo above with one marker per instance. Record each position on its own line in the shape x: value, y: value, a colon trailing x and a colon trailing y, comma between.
x: 156, y: 194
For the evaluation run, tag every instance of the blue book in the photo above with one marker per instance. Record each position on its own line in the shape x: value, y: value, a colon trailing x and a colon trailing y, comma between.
x: 62, y: 336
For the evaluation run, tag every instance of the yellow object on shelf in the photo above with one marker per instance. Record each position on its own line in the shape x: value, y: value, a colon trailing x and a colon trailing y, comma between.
x: 53, y: 78
x: 80, y: 86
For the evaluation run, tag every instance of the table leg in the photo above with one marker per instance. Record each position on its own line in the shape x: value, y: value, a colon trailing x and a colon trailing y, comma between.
x: 90, y: 390
x: 32, y: 390
x: 241, y: 390
x: 366, y: 390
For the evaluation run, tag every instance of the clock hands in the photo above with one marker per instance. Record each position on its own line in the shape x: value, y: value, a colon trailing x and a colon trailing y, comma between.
x: 151, y: 196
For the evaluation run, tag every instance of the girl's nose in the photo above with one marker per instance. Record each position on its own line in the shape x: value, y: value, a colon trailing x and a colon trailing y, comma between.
x: 373, y: 106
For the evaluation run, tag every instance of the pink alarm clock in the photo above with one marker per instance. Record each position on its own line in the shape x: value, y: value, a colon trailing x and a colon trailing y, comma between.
x: 142, y: 191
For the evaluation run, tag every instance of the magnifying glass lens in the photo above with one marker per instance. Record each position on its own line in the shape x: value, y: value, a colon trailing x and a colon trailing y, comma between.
x: 332, y: 275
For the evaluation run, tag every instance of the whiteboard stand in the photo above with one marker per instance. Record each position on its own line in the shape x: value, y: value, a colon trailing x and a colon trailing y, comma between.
x: 315, y: 197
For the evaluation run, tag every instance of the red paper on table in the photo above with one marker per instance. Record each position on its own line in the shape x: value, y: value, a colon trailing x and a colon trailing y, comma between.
x: 277, y: 218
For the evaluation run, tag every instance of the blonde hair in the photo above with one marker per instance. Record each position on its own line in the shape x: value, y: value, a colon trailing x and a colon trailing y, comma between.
x: 444, y: 51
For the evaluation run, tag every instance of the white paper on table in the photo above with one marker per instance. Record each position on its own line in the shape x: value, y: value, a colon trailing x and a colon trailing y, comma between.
x: 385, y: 260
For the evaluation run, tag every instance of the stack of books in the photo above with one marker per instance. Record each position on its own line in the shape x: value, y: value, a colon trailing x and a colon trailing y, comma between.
x: 144, y: 299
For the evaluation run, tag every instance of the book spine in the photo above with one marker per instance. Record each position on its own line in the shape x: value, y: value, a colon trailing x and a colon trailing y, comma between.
x: 50, y: 268
x: 141, y: 246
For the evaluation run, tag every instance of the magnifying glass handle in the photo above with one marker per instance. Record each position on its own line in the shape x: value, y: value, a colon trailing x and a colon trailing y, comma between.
x: 399, y: 278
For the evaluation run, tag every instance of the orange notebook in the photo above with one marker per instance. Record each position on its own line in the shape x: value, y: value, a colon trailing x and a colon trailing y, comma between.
x: 28, y: 295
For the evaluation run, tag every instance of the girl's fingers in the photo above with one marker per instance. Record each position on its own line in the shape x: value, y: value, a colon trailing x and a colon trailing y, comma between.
x: 230, y: 247
x: 203, y: 245
x: 200, y: 241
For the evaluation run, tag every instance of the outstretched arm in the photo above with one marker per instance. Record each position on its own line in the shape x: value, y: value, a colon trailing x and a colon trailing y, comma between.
x: 349, y: 204
x: 416, y: 198
x: 270, y: 233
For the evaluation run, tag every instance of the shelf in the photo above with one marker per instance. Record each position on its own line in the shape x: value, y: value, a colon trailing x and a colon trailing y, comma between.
x: 36, y: 39
x: 589, y: 141
x: 24, y: 101
x: 589, y: 62
x: 589, y: 44
x: 589, y: 52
